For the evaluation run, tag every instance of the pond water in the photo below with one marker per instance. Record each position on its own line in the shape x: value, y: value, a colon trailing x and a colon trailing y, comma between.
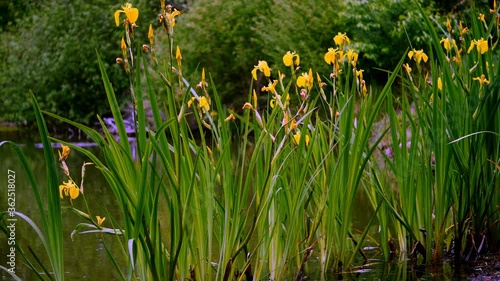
x: 85, y: 255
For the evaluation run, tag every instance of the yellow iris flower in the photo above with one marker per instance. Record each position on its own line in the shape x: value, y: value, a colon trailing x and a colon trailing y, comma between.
x: 352, y: 57
x: 132, y: 14
x: 171, y: 17
x: 297, y: 137
x: 448, y: 43
x: 305, y: 80
x: 271, y: 87
x: 332, y: 55
x: 100, y: 220
x: 65, y: 153
x: 418, y: 55
x: 288, y: 59
x: 263, y: 67
x: 341, y: 39
x: 482, y: 80
x: 69, y: 189
x: 203, y: 103
x: 481, y: 45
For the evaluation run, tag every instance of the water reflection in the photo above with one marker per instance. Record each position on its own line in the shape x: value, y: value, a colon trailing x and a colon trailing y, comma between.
x: 405, y: 271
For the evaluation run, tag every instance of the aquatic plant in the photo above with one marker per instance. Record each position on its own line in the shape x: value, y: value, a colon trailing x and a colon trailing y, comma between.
x: 214, y: 193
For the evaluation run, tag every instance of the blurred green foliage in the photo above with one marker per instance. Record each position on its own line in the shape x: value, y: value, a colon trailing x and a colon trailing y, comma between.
x: 228, y: 38
x: 219, y: 36
x: 51, y: 50
x: 50, y: 47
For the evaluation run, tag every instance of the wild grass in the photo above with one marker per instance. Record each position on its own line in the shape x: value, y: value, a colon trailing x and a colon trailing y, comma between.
x: 210, y: 193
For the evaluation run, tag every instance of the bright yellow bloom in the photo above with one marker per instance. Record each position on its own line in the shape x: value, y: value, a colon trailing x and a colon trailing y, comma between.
x: 482, y: 80
x: 65, y: 152
x: 341, y: 39
x: 69, y: 188
x: 288, y: 59
x: 448, y: 43
x: 151, y: 35
x: 131, y: 14
x: 171, y: 17
x: 463, y: 30
x: 178, y: 56
x: 305, y: 80
x: 418, y: 55
x: 150, y: 32
x: 333, y: 55
x: 352, y: 57
x: 359, y: 74
x: 263, y: 67
x: 203, y: 83
x: 440, y: 84
x: 254, y: 98
x: 123, y: 46
x: 297, y: 137
x: 204, y: 104
x: 363, y: 87
x: 481, y: 45
x: 271, y: 87
x: 481, y: 18
x: 448, y: 25
x: 293, y: 125
x: 272, y: 103
x: 100, y: 220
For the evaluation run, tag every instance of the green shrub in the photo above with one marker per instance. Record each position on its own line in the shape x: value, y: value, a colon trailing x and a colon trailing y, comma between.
x: 218, y: 35
x: 52, y: 52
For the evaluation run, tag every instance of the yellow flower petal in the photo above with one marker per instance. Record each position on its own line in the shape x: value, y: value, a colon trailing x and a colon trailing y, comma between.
x: 254, y: 73
x: 288, y: 59
x: 301, y: 81
x: 132, y: 15
x: 482, y: 46
x: 410, y: 54
x: 330, y: 56
x: 74, y: 192
x: 151, y: 35
x: 100, y: 220
x: 190, y: 101
x: 117, y: 17
x: 341, y: 39
x: 178, y: 57
x: 65, y: 152
x: 204, y: 104
x: 61, y: 188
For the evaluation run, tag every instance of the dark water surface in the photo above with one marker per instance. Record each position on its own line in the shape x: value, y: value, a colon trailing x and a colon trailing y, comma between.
x: 85, y: 255
x: 86, y: 258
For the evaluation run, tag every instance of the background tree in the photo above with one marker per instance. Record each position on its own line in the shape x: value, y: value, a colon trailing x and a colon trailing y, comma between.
x: 51, y: 51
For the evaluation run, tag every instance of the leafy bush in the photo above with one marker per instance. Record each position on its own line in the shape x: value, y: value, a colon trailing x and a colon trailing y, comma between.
x: 306, y: 27
x: 218, y: 35
x: 228, y: 38
x: 53, y: 53
x: 383, y: 28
